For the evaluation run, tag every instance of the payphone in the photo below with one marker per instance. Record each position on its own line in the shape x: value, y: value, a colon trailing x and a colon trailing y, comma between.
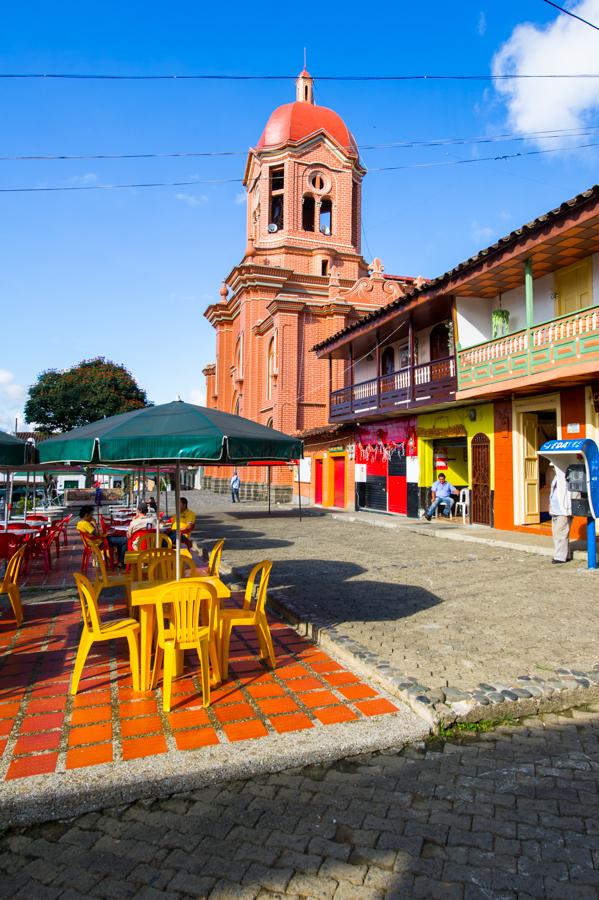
x: 579, y: 462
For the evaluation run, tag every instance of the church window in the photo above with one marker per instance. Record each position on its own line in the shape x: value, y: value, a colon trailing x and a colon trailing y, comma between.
x: 308, y: 211
x: 270, y: 369
x: 324, y: 267
x: 355, y: 224
x: 270, y: 423
x: 318, y: 182
x: 326, y: 217
x: 277, y: 189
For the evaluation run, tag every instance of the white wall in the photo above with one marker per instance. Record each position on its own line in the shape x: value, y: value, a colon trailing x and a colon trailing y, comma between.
x: 474, y: 320
x: 474, y: 313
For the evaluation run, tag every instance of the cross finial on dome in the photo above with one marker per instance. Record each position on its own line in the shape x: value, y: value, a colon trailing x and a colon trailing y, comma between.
x: 304, y: 87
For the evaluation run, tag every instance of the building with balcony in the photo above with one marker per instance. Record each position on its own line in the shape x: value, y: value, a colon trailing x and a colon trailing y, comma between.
x: 471, y: 372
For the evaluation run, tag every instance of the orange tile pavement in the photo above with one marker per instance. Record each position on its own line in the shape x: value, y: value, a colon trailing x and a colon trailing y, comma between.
x: 44, y: 730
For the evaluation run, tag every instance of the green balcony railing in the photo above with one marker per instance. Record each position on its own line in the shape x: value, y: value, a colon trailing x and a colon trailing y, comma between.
x: 564, y: 341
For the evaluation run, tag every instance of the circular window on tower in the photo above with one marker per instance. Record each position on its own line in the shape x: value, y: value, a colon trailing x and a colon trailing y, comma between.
x: 319, y: 182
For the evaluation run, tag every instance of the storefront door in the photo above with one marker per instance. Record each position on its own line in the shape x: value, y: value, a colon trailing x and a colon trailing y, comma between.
x: 318, y: 481
x: 397, y: 488
x: 339, y: 481
x: 481, y: 480
x: 530, y: 433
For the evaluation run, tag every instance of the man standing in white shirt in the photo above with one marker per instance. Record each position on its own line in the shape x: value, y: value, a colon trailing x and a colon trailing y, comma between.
x: 560, y: 509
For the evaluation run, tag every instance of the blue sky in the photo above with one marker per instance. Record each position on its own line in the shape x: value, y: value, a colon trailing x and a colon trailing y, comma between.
x: 127, y: 274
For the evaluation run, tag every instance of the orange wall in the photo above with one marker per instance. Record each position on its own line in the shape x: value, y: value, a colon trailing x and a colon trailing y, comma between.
x: 504, y: 470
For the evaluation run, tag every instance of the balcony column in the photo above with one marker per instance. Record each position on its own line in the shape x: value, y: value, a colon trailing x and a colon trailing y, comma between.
x: 411, y: 352
x: 377, y: 362
x: 529, y: 293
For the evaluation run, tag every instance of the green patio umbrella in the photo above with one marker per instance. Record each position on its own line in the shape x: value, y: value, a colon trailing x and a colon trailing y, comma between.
x: 176, y: 432
x: 13, y: 451
x: 171, y: 433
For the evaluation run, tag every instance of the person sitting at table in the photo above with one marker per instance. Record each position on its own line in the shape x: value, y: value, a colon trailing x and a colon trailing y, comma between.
x: 143, y: 520
x: 187, y: 520
x: 87, y: 525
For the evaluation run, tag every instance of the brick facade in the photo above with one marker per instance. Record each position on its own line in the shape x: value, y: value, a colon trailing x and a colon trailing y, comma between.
x: 298, y: 283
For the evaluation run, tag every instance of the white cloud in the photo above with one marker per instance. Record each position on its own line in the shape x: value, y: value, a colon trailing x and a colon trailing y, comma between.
x: 198, y: 396
x: 12, y: 396
x: 241, y: 198
x: 192, y: 199
x: 565, y: 46
x: 481, y: 233
x: 88, y: 178
x: 482, y: 24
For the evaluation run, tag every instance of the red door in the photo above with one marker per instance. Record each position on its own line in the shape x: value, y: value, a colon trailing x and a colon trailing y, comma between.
x: 339, y: 481
x: 318, y: 482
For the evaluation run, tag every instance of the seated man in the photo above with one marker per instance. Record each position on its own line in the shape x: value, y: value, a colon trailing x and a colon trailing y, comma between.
x: 187, y: 520
x: 441, y: 492
x: 87, y: 525
x: 143, y: 520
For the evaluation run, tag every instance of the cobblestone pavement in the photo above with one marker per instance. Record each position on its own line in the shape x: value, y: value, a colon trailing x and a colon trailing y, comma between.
x: 511, y: 813
x: 443, y: 612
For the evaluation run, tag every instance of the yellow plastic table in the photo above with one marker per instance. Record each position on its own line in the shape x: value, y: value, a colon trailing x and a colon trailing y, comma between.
x: 144, y: 595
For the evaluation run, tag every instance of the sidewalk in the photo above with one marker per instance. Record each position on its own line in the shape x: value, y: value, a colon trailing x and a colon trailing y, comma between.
x: 456, y: 531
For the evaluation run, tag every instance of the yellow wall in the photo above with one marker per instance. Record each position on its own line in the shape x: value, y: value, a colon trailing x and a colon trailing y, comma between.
x: 458, y: 416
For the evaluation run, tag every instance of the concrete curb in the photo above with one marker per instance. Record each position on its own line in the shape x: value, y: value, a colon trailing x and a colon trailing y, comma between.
x: 531, y: 695
x: 76, y: 791
x: 448, y: 534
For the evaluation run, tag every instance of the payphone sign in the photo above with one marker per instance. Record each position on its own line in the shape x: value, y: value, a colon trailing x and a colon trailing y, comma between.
x: 590, y: 453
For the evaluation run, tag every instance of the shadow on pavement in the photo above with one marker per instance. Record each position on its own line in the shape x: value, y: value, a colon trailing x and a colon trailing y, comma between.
x: 331, y: 592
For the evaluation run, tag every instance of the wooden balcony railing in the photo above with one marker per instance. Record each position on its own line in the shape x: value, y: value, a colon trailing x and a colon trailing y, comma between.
x: 564, y: 341
x: 426, y: 384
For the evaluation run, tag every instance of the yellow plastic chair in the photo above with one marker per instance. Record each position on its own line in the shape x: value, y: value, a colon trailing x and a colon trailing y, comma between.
x: 9, y: 582
x: 103, y: 580
x: 165, y: 568
x: 215, y: 558
x: 145, y: 558
x: 146, y: 540
x: 191, y: 602
x: 252, y: 613
x: 94, y: 630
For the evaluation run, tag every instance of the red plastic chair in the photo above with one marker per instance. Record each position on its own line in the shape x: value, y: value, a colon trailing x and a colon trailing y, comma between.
x: 39, y: 548
x: 9, y: 544
x: 64, y: 524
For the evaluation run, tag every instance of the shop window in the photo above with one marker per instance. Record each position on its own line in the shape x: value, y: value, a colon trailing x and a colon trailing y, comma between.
x: 277, y: 192
x: 326, y: 217
x: 308, y: 213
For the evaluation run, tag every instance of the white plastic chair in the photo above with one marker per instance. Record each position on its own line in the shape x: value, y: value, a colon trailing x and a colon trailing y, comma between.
x: 462, y: 504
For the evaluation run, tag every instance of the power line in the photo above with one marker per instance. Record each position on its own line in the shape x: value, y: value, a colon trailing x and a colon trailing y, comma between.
x: 486, y: 76
x: 570, y: 13
x: 154, y: 184
x: 461, y: 162
x: 393, y: 145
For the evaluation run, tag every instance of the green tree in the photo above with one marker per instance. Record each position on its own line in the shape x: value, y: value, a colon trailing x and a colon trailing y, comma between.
x: 94, y: 388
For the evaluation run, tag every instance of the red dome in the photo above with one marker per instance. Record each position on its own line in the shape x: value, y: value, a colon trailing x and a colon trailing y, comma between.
x: 293, y: 122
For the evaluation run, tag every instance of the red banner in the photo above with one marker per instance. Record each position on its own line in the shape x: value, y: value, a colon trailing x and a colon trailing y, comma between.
x: 376, y: 442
